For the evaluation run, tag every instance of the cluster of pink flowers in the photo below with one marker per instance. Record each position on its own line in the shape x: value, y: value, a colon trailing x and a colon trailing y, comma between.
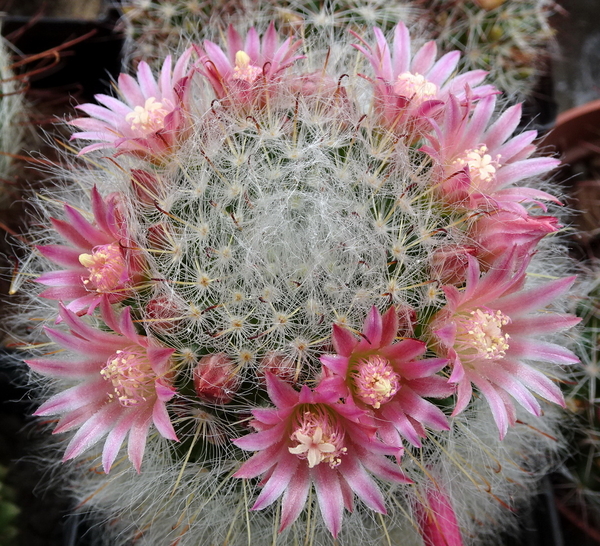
x: 376, y: 389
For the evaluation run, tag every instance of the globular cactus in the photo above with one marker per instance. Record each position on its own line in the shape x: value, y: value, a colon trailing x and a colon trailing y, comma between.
x: 315, y: 288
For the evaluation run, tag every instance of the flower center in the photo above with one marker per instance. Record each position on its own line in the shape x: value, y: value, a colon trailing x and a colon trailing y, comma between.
x: 375, y: 381
x: 131, y: 376
x: 106, y: 265
x: 317, y: 439
x: 149, y: 118
x: 243, y: 70
x: 416, y: 87
x: 479, y: 335
x: 482, y: 168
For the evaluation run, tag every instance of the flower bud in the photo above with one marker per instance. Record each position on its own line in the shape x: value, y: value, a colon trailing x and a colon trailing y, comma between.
x: 215, y: 379
x: 145, y: 185
x: 449, y: 263
x: 279, y: 365
x: 498, y: 233
x: 162, y: 314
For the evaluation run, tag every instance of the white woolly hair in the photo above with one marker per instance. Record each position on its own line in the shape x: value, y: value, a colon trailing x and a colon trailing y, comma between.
x: 264, y: 231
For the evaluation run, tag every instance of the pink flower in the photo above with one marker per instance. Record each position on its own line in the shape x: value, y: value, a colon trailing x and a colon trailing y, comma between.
x: 242, y: 73
x: 476, y: 166
x: 490, y: 332
x: 410, y: 88
x: 149, y: 118
x: 498, y: 232
x: 437, y: 520
x: 384, y: 378
x: 124, y: 382
x: 99, y: 261
x: 311, y: 437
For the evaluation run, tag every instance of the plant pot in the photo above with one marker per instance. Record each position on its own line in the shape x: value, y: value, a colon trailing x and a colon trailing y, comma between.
x: 576, y: 137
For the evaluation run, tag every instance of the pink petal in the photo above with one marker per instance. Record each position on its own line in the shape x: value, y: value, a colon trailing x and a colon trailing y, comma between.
x: 404, y: 351
x: 261, y: 440
x: 381, y: 466
x: 372, y: 330
x: 115, y: 439
x: 330, y: 497
x: 401, y: 49
x: 421, y: 410
x: 534, y: 299
x: 234, y: 43
x: 252, y: 45
x: 93, y: 430
x: 269, y: 43
x: 138, y: 434
x: 464, y: 394
x: 294, y: 497
x: 497, y: 405
x: 381, y: 61
x: 99, y: 113
x: 505, y: 380
x: 65, y: 278
x: 518, y: 147
x: 76, y: 418
x: 336, y: 363
x: 159, y: 358
x: 92, y: 234
x: 394, y: 414
x: 179, y: 72
x: 281, y: 393
x: 424, y: 58
x: 61, y: 255
x: 541, y: 324
x: 443, y: 68
x: 162, y: 421
x: 432, y: 387
x: 217, y: 58
x: 420, y: 368
x: 389, y: 326
x: 57, y: 367
x: 103, y: 214
x: 543, y: 351
x: 535, y: 381
x: 362, y: 484
x: 164, y: 81
x: 259, y: 463
x: 147, y: 82
x: 526, y: 168
x: 268, y: 416
x: 503, y: 127
x: 75, y: 397
x: 343, y: 341
x: 78, y: 326
x: 120, y: 108
x: 278, y: 481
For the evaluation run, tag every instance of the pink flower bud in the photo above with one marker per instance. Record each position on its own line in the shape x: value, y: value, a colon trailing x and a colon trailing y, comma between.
x: 160, y: 237
x: 407, y: 320
x: 279, y: 365
x: 449, y: 263
x: 144, y: 185
x: 162, y: 314
x: 498, y: 233
x: 216, y: 379
x: 437, y: 520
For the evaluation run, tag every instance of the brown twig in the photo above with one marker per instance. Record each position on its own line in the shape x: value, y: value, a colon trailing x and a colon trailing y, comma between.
x: 575, y: 520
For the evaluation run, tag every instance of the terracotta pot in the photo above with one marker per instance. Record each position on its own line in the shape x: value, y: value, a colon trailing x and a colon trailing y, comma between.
x: 576, y: 134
